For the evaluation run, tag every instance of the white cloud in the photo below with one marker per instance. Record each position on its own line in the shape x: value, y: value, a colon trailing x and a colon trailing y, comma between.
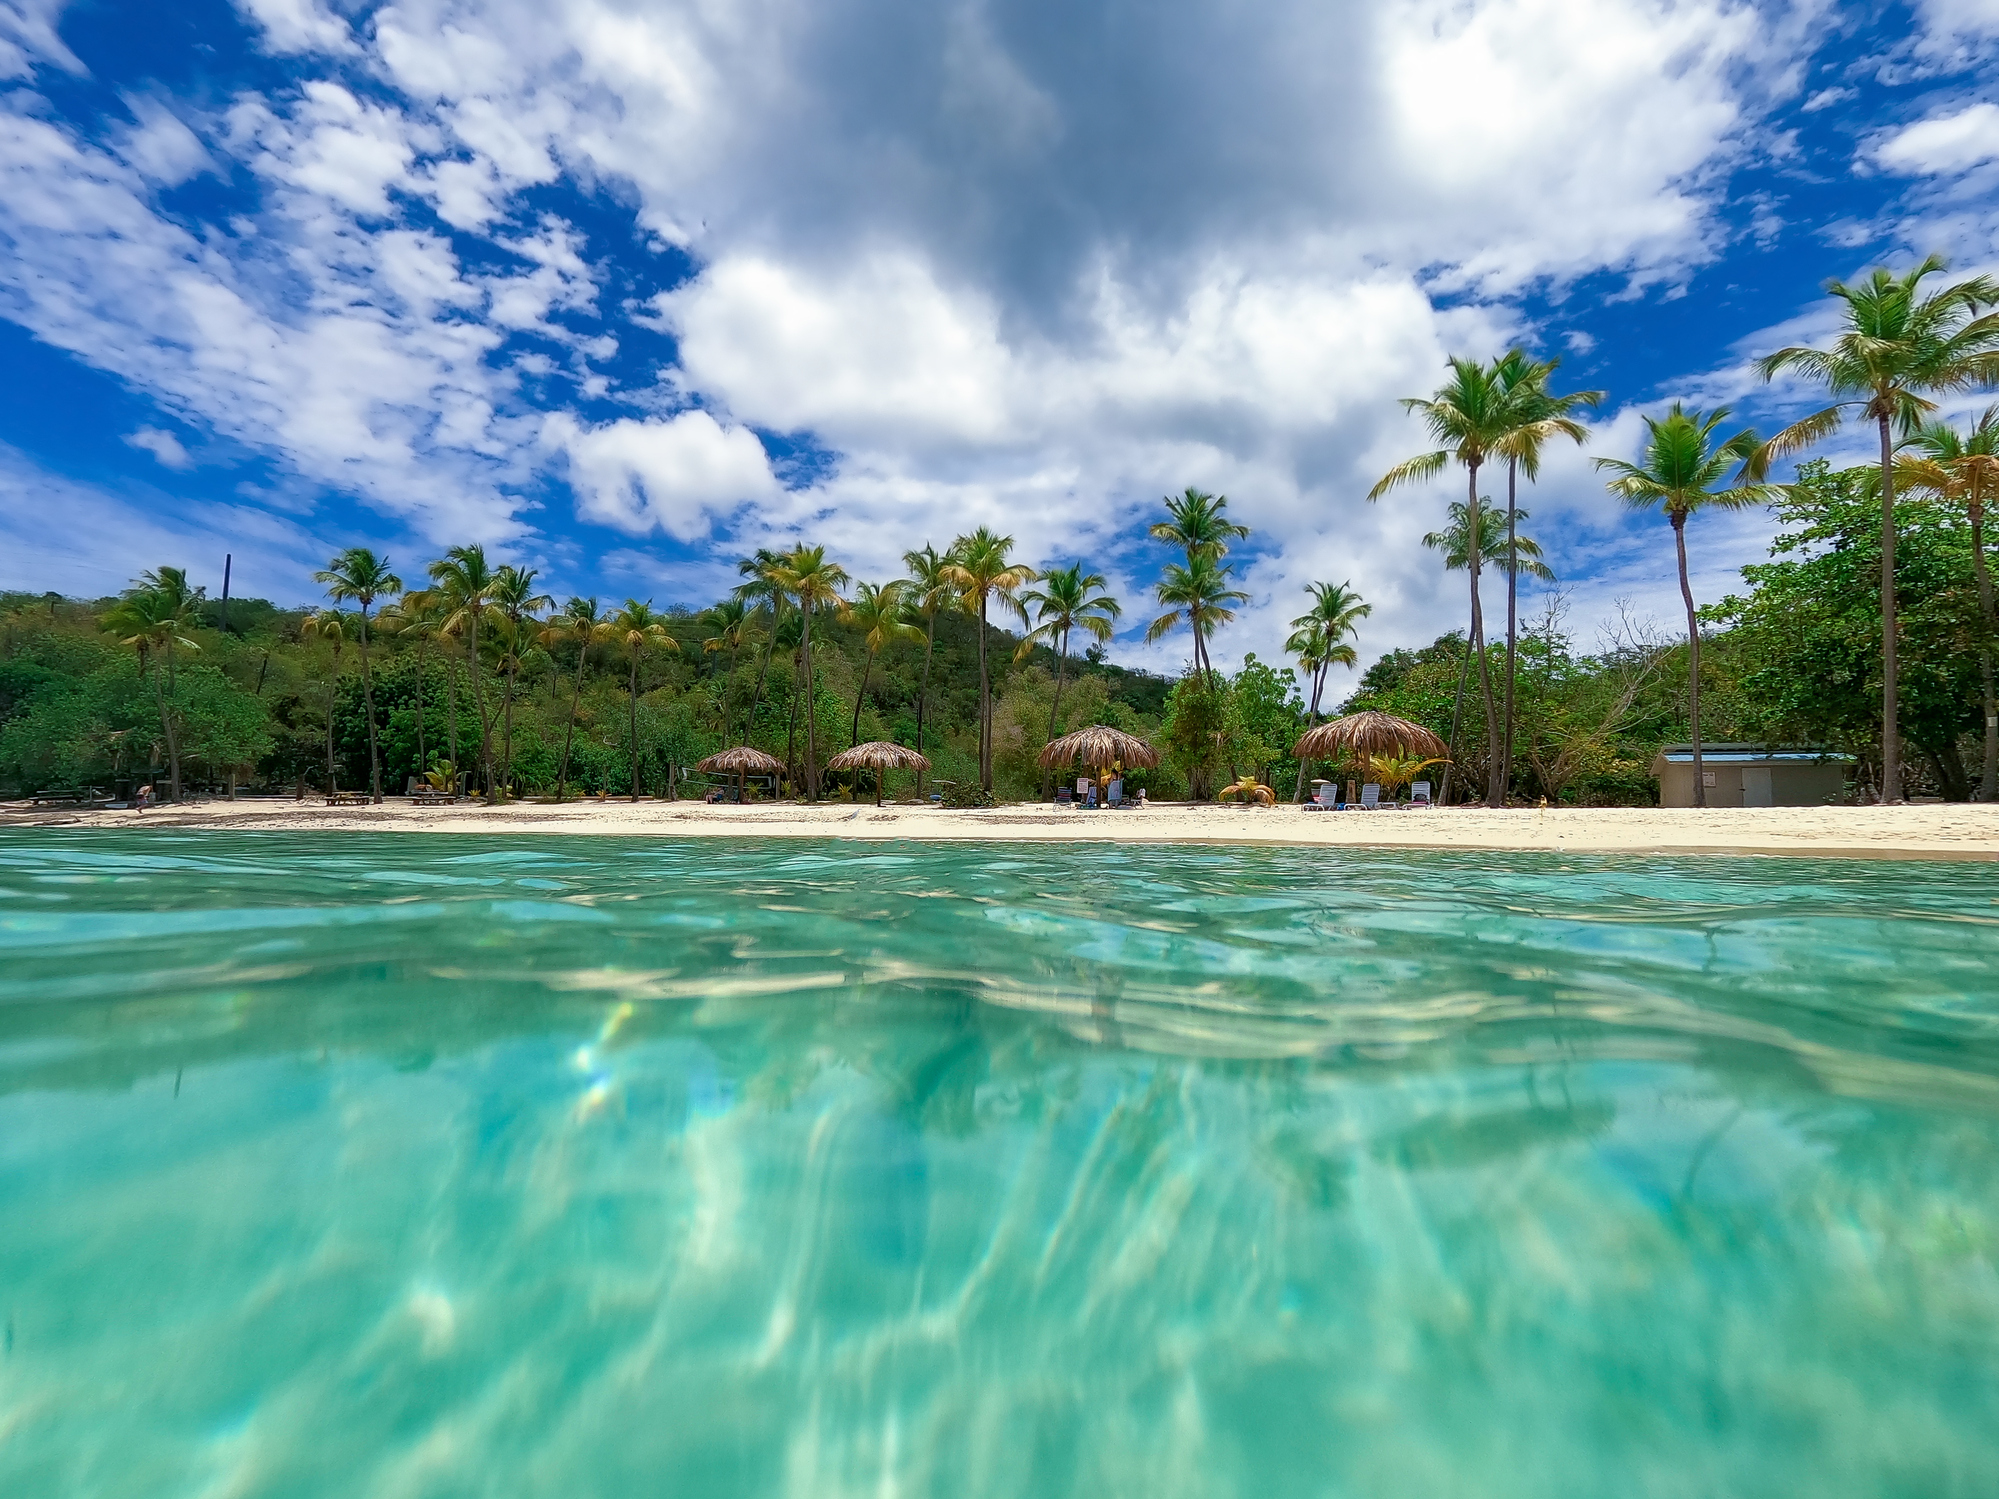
x: 298, y: 25
x: 1943, y: 144
x: 163, y: 445
x: 679, y: 475
x: 159, y: 146
x: 28, y: 35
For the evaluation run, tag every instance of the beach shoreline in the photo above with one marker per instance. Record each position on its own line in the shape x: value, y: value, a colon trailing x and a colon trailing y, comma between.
x: 1954, y: 831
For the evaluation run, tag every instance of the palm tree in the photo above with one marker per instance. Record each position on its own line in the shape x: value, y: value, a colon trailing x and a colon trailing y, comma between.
x: 760, y: 592
x: 331, y: 626
x: 1505, y: 549
x: 1897, y: 348
x: 735, y: 628
x: 515, y: 601
x: 154, y: 616
x: 578, y: 621
x: 1070, y: 599
x: 878, y: 614
x: 982, y: 571
x: 814, y: 584
x: 1679, y: 474
x: 1536, y: 415
x: 1197, y: 593
x: 466, y: 586
x: 1320, y: 638
x: 1469, y: 415
x: 360, y: 575
x: 1963, y: 469
x: 417, y: 614
x: 638, y: 629
x: 929, y: 591
x: 1195, y: 523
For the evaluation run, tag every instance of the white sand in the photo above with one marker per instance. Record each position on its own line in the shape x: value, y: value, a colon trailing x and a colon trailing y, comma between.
x: 1951, y: 832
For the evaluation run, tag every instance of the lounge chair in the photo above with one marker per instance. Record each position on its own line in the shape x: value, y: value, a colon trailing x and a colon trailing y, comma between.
x: 1115, y: 795
x: 1419, y: 794
x: 1370, y: 797
x: 1325, y: 798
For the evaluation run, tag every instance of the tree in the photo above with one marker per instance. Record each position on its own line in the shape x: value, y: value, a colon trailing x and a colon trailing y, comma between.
x: 331, y: 626
x: 1898, y: 347
x: 1198, y: 593
x: 761, y: 592
x: 1471, y: 417
x: 1535, y: 416
x: 735, y: 627
x: 360, y: 575
x: 579, y: 621
x: 153, y: 616
x: 877, y: 612
x: 466, y: 584
x: 515, y: 601
x: 930, y: 591
x: 1069, y: 600
x: 1195, y: 523
x: 813, y: 584
x: 1505, y: 549
x: 982, y: 571
x: 1680, y: 473
x: 1962, y: 470
x: 1321, y: 640
x: 638, y: 629
x: 419, y: 614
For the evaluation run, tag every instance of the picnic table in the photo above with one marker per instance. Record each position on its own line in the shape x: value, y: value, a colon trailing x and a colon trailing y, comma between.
x: 432, y: 799
x: 348, y: 799
x: 66, y: 796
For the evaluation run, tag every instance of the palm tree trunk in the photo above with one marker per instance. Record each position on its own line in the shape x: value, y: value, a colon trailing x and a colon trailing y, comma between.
x: 173, y: 739
x: 811, y: 710
x: 923, y: 694
x: 422, y: 761
x: 632, y: 695
x: 485, y: 718
x: 1311, y: 722
x: 791, y: 723
x: 507, y: 710
x: 368, y: 703
x: 160, y: 702
x: 1054, y: 712
x: 1988, y: 781
x: 985, y: 707
x: 1891, y: 749
x: 1457, y: 718
x: 1512, y: 594
x: 756, y: 695
x: 569, y: 734
x: 1693, y: 658
x: 451, y: 716
x: 867, y: 670
x: 332, y: 782
x: 1495, y: 773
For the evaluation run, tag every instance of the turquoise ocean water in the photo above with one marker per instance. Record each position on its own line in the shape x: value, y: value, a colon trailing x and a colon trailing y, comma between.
x: 410, y: 1166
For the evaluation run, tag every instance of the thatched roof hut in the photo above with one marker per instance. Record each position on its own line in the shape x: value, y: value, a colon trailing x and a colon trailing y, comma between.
x: 1098, y: 746
x: 1368, y: 733
x: 742, y: 762
x: 879, y: 756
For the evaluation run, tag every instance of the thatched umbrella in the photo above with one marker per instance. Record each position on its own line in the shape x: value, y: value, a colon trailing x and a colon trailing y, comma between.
x: 1368, y: 733
x: 743, y: 761
x: 1099, y: 747
x: 878, y: 756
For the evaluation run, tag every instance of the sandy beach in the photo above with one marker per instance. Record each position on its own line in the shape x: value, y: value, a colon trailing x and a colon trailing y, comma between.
x: 1956, y: 831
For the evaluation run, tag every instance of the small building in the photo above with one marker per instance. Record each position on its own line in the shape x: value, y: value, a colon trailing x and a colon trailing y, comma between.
x: 1751, y: 775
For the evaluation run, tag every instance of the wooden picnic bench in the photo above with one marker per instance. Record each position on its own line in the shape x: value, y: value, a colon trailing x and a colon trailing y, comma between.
x: 66, y: 796
x: 432, y: 799
x: 349, y: 799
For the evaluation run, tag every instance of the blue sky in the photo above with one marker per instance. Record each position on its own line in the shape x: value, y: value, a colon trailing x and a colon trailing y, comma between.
x: 624, y: 288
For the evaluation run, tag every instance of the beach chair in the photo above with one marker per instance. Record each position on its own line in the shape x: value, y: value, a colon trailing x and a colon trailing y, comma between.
x: 1064, y: 797
x: 1115, y: 795
x: 1419, y: 794
x: 1325, y: 797
x: 1370, y: 797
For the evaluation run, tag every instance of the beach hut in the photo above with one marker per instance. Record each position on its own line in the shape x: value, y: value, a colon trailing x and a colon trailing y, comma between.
x: 1101, y: 748
x: 1751, y: 775
x: 878, y: 756
x: 742, y: 762
x: 1369, y: 733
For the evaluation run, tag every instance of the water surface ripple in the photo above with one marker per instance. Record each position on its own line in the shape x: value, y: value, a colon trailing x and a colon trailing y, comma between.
x: 440, y: 1166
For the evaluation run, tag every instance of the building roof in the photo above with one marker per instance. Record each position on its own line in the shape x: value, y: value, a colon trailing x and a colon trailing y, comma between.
x: 1745, y: 754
